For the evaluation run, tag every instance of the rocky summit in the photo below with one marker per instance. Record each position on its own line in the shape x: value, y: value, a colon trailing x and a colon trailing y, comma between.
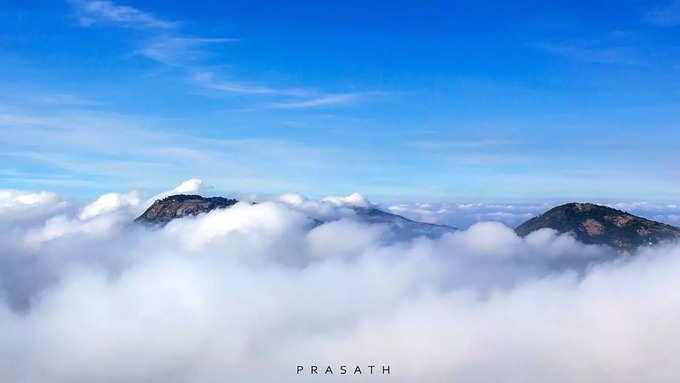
x: 176, y: 206
x: 601, y: 225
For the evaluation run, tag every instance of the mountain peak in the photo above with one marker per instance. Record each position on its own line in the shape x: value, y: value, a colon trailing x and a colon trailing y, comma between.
x: 164, y: 210
x: 601, y: 225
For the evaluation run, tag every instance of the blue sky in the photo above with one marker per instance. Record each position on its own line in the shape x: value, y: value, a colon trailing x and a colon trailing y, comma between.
x: 398, y: 100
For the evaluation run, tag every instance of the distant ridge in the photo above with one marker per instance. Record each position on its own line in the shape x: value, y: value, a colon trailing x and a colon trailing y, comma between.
x: 177, y: 206
x: 402, y: 226
x: 589, y: 223
x: 601, y: 225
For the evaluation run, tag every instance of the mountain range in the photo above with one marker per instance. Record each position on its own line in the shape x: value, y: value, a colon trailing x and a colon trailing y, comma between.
x: 181, y: 205
x: 588, y: 223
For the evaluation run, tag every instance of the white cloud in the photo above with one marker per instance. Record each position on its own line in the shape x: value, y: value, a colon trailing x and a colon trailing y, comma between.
x: 108, y: 12
x: 170, y: 48
x: 60, y: 226
x: 136, y: 153
x: 463, y: 215
x: 354, y: 199
x: 8, y: 119
x: 17, y: 206
x: 108, y: 203
x: 331, y: 100
x: 487, y: 238
x: 174, y: 50
x: 208, y: 80
x: 444, y: 144
x: 248, y: 293
x: 20, y: 200
x: 190, y: 186
x: 62, y: 99
x: 263, y: 223
x: 293, y: 199
x: 331, y: 239
x: 47, y: 216
x: 334, y: 99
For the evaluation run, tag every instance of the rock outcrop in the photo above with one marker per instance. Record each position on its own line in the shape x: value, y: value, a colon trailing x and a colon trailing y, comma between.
x: 176, y: 206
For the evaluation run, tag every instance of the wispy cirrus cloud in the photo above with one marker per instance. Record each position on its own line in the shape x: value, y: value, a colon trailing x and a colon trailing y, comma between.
x: 175, y: 50
x: 330, y: 100
x: 133, y: 150
x: 335, y: 99
x: 107, y: 12
x: 169, y: 47
x: 488, y: 159
x: 444, y: 144
x: 62, y: 99
x: 209, y: 80
x: 9, y: 119
x: 301, y: 97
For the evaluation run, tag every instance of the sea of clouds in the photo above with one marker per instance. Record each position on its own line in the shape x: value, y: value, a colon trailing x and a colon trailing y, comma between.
x: 246, y: 294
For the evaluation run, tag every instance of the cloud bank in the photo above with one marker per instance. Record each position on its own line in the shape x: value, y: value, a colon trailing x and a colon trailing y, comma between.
x: 464, y: 214
x: 248, y: 293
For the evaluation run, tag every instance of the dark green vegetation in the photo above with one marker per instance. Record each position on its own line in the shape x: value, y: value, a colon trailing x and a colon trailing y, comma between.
x: 601, y: 225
